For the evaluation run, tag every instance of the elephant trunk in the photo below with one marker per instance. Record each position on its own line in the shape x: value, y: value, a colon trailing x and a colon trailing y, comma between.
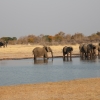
x: 50, y: 50
x: 52, y: 54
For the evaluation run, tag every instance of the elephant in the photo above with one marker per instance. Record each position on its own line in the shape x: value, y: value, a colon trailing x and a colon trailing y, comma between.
x: 98, y: 48
x: 88, y: 50
x: 67, y: 50
x: 81, y: 50
x: 2, y: 44
x: 42, y: 51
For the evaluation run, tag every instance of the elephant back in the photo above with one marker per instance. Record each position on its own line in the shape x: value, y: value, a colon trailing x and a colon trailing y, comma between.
x: 91, y: 47
x: 69, y: 49
x: 38, y: 51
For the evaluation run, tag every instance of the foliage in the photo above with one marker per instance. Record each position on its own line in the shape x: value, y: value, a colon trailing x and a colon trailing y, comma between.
x: 98, y: 33
x: 59, y: 38
x: 8, y: 38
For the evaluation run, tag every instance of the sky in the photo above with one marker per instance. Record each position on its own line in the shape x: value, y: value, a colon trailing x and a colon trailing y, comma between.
x: 25, y: 17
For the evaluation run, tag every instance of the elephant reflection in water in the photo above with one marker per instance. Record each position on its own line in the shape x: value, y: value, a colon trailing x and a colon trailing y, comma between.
x: 67, y: 50
x: 41, y: 61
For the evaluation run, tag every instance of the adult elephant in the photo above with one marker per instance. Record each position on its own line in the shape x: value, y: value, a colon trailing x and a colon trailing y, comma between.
x: 98, y: 49
x: 38, y: 52
x: 67, y: 50
x: 2, y: 44
x: 81, y: 50
x: 89, y: 50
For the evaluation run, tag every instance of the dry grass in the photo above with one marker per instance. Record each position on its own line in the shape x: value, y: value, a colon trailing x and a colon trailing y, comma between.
x: 84, y: 89
x: 25, y: 51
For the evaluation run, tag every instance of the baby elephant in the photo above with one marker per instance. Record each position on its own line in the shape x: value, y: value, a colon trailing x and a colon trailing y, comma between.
x: 67, y: 50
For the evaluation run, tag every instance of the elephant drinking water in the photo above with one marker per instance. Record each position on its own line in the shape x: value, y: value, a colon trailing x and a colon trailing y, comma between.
x: 87, y: 50
x: 67, y: 50
x: 42, y: 51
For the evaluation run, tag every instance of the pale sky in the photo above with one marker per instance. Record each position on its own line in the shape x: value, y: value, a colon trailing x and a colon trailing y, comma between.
x: 24, y: 17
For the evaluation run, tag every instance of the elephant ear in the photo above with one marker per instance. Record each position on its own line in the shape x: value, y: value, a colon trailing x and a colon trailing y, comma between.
x: 49, y: 49
x: 45, y: 48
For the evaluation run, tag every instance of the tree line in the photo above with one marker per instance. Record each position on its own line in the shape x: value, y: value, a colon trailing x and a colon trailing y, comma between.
x: 59, y: 38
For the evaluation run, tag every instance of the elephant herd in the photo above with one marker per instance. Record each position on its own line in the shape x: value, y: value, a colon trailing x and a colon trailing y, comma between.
x: 38, y: 52
x: 87, y: 51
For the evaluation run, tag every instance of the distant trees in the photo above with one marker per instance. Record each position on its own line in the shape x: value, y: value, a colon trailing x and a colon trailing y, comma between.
x: 11, y: 40
x: 59, y: 38
x: 94, y: 37
x: 8, y: 38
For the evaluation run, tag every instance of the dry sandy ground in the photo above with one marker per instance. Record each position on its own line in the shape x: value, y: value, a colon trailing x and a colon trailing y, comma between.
x: 25, y: 51
x: 84, y: 89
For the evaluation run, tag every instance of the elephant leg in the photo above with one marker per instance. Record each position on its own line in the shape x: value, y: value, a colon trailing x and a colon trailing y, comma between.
x: 91, y: 55
x: 46, y: 56
x: 70, y: 56
x: 86, y: 55
x: 67, y: 55
x: 82, y: 55
x: 63, y: 56
x: 98, y: 53
x: 34, y: 57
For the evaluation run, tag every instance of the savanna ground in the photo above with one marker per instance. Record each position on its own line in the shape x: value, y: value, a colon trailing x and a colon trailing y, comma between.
x: 25, y: 51
x: 80, y: 89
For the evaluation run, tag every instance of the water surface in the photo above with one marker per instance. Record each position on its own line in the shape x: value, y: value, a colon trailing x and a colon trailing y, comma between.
x: 27, y: 71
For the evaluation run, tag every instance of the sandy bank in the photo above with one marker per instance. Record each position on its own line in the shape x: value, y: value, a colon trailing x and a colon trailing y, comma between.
x: 25, y: 51
x: 83, y: 89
